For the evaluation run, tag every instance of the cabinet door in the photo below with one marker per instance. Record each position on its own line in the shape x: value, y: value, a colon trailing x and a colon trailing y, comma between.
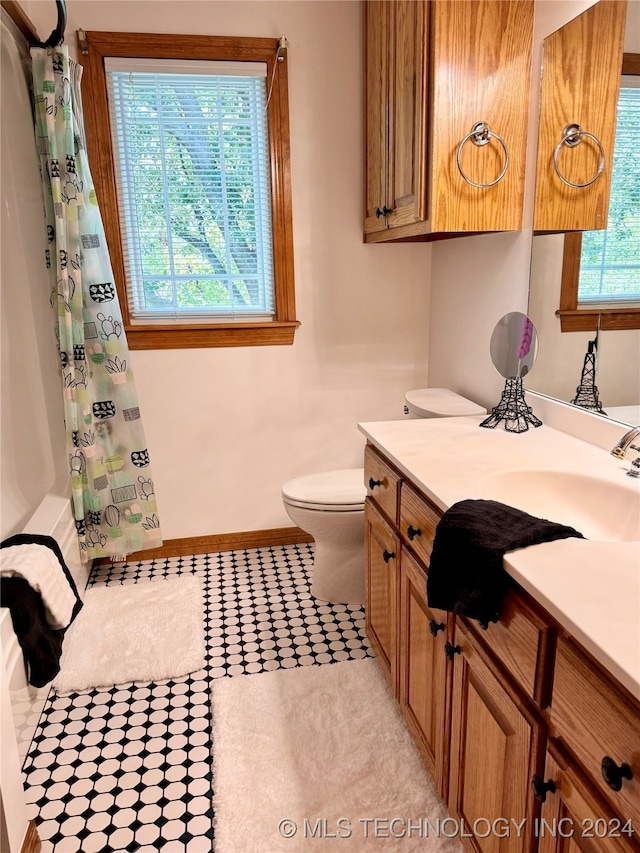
x: 423, y: 669
x: 573, y: 820
x: 408, y: 87
x: 497, y: 746
x: 381, y: 596
x: 580, y: 85
x: 481, y: 65
x: 376, y: 83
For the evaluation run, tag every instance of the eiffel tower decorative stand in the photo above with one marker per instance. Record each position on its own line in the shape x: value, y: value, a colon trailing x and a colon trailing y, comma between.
x: 587, y: 391
x: 512, y: 409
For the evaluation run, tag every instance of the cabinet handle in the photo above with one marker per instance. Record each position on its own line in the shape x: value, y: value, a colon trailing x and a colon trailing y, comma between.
x: 373, y: 483
x: 388, y: 555
x: 613, y: 775
x: 450, y: 650
x: 434, y: 627
x: 540, y: 787
x: 480, y: 134
x: 385, y: 211
x: 412, y: 532
x: 573, y: 135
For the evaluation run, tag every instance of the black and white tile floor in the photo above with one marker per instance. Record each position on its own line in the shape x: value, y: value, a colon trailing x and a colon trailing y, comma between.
x: 129, y: 769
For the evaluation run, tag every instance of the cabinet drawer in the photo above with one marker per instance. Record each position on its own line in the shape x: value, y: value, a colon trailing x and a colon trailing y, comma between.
x: 382, y: 483
x: 418, y: 521
x: 595, y: 720
x: 522, y: 641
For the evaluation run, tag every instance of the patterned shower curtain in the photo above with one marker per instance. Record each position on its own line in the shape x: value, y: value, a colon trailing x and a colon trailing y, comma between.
x: 111, y: 483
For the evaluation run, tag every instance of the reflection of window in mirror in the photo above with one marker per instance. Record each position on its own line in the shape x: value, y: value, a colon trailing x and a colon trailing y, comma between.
x: 601, y: 269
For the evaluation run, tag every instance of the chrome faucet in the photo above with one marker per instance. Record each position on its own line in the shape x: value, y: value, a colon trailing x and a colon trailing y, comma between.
x: 624, y: 445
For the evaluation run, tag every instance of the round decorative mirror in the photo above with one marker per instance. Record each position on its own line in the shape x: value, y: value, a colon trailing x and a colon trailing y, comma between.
x: 514, y: 345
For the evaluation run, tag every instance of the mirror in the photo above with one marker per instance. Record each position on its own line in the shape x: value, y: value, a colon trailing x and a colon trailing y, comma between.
x: 514, y: 345
x: 583, y: 367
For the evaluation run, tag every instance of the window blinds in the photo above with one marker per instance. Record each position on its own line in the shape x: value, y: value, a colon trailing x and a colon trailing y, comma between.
x: 610, y: 261
x: 190, y: 144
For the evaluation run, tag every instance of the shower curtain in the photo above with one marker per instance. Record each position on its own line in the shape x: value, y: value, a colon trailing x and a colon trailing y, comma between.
x: 113, y: 495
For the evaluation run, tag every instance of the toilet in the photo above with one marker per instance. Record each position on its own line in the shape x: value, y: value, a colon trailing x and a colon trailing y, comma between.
x: 330, y: 507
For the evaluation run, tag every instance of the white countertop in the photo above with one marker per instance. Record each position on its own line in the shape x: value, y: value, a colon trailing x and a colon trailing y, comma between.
x: 591, y: 587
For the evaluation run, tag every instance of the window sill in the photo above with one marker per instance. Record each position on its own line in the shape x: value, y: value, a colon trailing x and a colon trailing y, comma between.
x: 189, y: 336
x: 586, y: 320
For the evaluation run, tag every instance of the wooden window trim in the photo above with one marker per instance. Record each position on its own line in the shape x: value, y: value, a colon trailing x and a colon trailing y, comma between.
x: 572, y: 318
x: 92, y: 53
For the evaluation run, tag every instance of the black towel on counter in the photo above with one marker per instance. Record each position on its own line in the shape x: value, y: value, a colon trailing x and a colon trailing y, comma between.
x: 466, y: 575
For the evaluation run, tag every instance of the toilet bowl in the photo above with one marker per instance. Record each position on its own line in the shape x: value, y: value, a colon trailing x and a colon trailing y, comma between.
x: 330, y: 507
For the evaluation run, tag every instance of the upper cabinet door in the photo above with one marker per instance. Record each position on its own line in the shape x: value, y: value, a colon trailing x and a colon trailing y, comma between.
x: 481, y: 66
x: 582, y: 64
x: 450, y: 64
x: 376, y: 82
x: 408, y: 73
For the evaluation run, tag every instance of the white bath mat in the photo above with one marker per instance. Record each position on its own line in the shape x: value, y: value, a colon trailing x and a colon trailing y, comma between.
x: 147, y: 631
x: 318, y: 753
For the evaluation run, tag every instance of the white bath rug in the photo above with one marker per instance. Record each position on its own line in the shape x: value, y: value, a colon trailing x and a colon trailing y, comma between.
x: 310, y: 758
x: 147, y: 631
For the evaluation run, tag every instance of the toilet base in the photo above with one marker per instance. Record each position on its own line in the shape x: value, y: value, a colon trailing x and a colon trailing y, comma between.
x: 337, y: 575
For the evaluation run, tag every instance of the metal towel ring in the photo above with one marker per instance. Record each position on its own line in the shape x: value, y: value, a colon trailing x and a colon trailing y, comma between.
x: 480, y: 134
x: 573, y: 135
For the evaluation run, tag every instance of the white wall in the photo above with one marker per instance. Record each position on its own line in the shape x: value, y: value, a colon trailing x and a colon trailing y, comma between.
x: 226, y: 427
x: 31, y: 416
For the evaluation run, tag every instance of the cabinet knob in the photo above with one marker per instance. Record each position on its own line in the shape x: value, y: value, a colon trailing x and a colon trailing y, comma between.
x: 541, y: 788
x: 373, y: 483
x: 382, y: 212
x: 388, y: 555
x: 450, y: 650
x: 412, y: 532
x: 613, y: 775
x: 434, y: 627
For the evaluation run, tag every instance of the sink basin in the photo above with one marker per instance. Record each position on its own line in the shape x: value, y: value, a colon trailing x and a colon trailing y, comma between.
x: 599, y: 509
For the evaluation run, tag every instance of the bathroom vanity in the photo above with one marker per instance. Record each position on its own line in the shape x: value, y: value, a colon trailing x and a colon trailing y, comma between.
x: 536, y: 718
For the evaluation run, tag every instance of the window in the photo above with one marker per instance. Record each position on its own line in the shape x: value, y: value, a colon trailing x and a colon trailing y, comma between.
x: 189, y: 146
x: 601, y: 271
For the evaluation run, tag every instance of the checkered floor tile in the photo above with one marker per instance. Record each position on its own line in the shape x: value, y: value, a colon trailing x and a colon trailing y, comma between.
x: 129, y: 769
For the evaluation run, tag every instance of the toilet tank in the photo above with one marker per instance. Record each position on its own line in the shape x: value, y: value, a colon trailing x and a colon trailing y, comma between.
x: 439, y: 403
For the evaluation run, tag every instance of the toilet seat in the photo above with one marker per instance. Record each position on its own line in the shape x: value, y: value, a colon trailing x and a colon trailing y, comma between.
x: 328, y: 491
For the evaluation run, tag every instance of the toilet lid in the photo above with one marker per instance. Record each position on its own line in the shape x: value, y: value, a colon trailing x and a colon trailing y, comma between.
x: 441, y: 403
x: 329, y: 488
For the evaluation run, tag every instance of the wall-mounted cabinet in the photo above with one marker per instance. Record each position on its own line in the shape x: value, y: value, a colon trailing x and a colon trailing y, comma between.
x: 582, y: 64
x: 434, y: 69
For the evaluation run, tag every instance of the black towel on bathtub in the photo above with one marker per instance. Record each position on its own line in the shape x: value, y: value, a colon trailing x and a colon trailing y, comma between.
x: 465, y: 571
x: 42, y: 645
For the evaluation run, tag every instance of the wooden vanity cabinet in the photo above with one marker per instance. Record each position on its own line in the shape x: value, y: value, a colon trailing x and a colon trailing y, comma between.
x: 432, y: 70
x: 497, y: 745
x: 598, y: 725
x: 494, y: 708
x: 580, y: 85
x: 382, y: 559
x: 424, y: 672
x: 573, y: 818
